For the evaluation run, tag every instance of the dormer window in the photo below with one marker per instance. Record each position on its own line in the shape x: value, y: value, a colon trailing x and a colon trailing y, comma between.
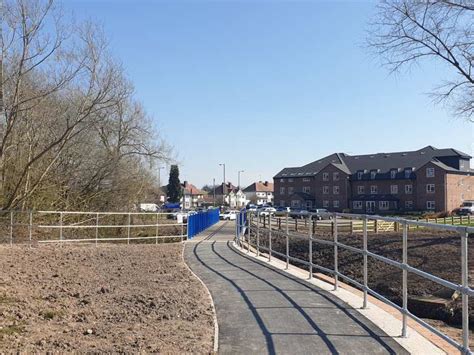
x: 408, y: 173
x: 373, y: 174
x: 393, y: 173
x: 360, y: 174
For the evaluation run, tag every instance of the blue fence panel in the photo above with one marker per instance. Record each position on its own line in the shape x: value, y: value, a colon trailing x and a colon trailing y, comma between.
x: 201, y: 221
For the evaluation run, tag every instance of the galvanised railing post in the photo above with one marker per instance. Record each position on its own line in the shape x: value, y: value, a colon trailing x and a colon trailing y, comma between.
x: 269, y: 238
x: 248, y: 230
x: 157, y: 223
x: 249, y: 219
x: 364, y: 306
x: 30, y: 227
x: 96, y: 228
x: 465, y: 285
x: 128, y: 227
x: 310, y: 220
x: 258, y: 233
x: 11, y: 228
x: 336, y: 268
x: 287, y: 242
x: 60, y: 226
x: 405, y: 280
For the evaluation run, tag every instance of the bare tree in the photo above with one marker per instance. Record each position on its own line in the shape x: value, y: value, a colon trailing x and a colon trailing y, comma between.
x: 406, y: 32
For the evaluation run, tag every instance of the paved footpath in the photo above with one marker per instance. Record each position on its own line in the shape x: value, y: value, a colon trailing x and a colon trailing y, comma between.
x: 264, y: 310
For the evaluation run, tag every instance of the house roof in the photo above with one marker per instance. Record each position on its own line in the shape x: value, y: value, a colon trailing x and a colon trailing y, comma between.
x: 229, y: 187
x: 383, y: 162
x: 190, y: 189
x: 260, y: 187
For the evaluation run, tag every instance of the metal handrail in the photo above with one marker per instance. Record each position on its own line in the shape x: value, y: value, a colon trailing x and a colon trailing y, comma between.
x: 463, y: 288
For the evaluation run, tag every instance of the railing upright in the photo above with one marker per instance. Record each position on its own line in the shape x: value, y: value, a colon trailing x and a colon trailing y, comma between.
x: 269, y: 237
x: 258, y: 233
x: 287, y: 242
x: 11, y: 228
x: 405, y: 280
x: 465, y: 284
x: 129, y: 227
x: 96, y: 228
x: 30, y: 227
x: 60, y: 226
x: 310, y: 222
x: 336, y: 262
x: 364, y: 306
x: 157, y: 223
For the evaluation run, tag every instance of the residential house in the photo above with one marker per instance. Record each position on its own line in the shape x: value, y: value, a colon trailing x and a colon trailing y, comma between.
x: 428, y: 179
x: 230, y: 195
x: 260, y: 193
x: 192, y: 196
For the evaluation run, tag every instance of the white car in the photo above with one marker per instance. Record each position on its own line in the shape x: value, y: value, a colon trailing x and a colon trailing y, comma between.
x: 467, y: 208
x: 228, y: 215
x: 266, y: 211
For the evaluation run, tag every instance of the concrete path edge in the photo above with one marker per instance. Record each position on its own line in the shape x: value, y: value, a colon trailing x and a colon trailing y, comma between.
x: 415, y: 343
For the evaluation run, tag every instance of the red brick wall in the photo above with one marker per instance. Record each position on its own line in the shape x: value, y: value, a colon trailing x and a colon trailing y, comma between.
x: 459, y: 188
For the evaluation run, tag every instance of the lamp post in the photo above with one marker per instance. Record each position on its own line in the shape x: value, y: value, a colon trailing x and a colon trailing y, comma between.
x: 159, y: 175
x: 238, y: 173
x: 223, y: 184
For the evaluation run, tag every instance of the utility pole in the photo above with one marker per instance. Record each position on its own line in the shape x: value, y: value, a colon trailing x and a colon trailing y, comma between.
x: 223, y: 184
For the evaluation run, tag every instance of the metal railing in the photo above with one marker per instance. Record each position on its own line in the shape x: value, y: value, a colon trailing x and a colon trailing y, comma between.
x: 250, y: 224
x: 201, y: 221
x: 20, y: 227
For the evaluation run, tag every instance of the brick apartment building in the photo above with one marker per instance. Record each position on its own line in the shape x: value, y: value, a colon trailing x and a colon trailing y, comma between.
x: 428, y: 179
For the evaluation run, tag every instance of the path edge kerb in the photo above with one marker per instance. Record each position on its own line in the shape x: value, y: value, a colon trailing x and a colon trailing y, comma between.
x: 215, y: 346
x: 404, y: 342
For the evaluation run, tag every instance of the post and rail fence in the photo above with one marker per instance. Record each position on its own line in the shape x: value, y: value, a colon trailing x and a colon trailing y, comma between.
x: 254, y: 232
x: 32, y: 227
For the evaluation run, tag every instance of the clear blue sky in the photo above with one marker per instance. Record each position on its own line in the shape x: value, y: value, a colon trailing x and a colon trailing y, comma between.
x: 263, y: 84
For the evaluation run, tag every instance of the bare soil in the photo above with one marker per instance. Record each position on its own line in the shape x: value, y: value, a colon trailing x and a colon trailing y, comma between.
x: 110, y: 298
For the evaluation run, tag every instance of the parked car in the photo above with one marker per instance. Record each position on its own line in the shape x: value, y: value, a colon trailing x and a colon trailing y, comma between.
x: 321, y: 213
x: 228, y: 215
x: 467, y: 208
x: 266, y: 211
x: 282, y: 211
x: 299, y: 213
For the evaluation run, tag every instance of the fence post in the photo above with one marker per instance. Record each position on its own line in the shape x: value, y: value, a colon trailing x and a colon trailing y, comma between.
x: 157, y: 222
x: 30, y: 227
x: 60, y: 226
x: 405, y: 280
x: 128, y: 227
x: 296, y: 224
x: 465, y: 285
x: 287, y: 242
x: 248, y: 235
x: 364, y: 223
x: 96, y: 228
x: 310, y: 247
x: 11, y: 228
x: 376, y: 226
x: 336, y: 269
x: 269, y: 240
x: 249, y: 218
x: 258, y: 233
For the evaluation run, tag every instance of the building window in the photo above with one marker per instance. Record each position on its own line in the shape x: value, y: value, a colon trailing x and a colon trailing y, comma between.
x: 290, y: 180
x: 408, y: 173
x: 430, y: 205
x: 373, y: 189
x: 291, y: 190
x: 309, y: 204
x: 373, y: 174
x: 325, y: 190
x: 325, y: 203
x: 335, y: 176
x: 430, y: 188
x: 335, y: 190
x: 393, y: 173
x: 306, y: 179
x: 295, y: 203
x: 360, y: 174
x: 394, y: 189
x: 282, y: 203
x: 360, y: 189
x: 325, y: 176
x: 383, y: 205
x: 357, y: 205
x: 282, y: 190
x: 335, y: 203
x: 408, y: 189
x: 430, y: 172
x: 408, y: 205
x: 282, y: 180
x: 306, y: 189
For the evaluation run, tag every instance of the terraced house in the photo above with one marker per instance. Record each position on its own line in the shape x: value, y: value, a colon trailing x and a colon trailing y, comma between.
x: 426, y: 179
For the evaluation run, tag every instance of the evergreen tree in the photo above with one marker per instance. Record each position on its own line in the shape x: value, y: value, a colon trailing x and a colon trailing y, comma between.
x: 174, y: 185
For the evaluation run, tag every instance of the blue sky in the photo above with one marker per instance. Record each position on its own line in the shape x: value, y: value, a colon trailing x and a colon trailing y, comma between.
x: 263, y: 84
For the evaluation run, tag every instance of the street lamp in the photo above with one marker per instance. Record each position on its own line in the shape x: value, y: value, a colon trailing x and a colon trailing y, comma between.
x: 240, y: 171
x: 223, y: 184
x: 159, y: 175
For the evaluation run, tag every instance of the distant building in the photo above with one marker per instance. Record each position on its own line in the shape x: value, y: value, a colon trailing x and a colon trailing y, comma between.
x: 230, y: 195
x: 192, y: 196
x: 260, y: 193
x: 428, y: 179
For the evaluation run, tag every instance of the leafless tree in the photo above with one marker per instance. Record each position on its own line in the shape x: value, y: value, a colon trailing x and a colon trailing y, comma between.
x: 405, y: 32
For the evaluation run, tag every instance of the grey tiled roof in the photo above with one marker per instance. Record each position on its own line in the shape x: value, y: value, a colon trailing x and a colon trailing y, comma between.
x: 382, y: 162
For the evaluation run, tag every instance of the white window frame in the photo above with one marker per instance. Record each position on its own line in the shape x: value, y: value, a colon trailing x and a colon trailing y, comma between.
x: 335, y: 203
x: 325, y: 203
x: 357, y: 205
x: 360, y: 175
x: 360, y: 189
x: 306, y: 189
x: 325, y: 190
x: 408, y: 173
x: 373, y: 175
x: 325, y: 176
x: 430, y: 172
x: 335, y: 176
x: 291, y: 190
x: 430, y: 188
x: 393, y: 173
x: 306, y: 179
x: 374, y: 189
x: 384, y: 205
x: 408, y: 189
x: 394, y: 189
x: 295, y: 203
x: 430, y: 205
x: 335, y: 190
x: 282, y: 180
x: 408, y: 204
x: 309, y: 204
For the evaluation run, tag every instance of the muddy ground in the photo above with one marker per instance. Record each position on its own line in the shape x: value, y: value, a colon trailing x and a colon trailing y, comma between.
x: 110, y: 298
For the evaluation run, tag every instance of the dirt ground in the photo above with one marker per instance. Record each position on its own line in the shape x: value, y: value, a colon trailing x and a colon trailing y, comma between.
x: 110, y: 298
